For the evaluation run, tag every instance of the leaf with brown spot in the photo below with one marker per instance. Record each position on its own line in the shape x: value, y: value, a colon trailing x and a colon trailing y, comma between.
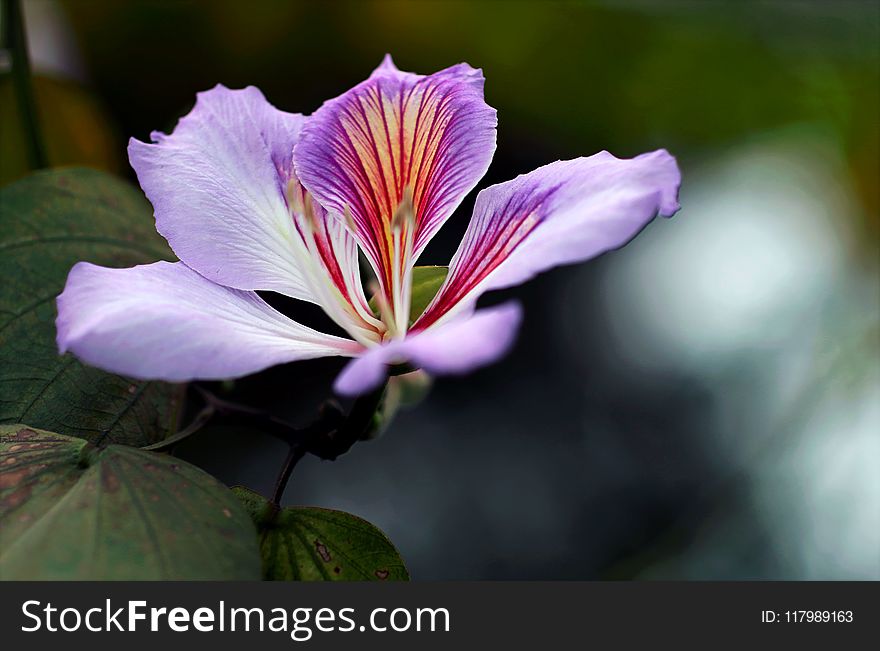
x: 313, y: 544
x: 48, y: 222
x: 71, y: 511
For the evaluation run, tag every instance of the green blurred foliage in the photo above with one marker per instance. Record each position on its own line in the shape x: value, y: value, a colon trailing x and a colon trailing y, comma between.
x: 76, y: 130
x: 569, y: 77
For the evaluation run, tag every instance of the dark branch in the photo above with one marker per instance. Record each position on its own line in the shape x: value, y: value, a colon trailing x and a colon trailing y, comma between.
x: 294, y: 455
x: 15, y: 40
x: 330, y: 436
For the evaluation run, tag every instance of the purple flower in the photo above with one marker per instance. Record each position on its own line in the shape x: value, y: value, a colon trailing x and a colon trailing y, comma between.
x: 252, y: 198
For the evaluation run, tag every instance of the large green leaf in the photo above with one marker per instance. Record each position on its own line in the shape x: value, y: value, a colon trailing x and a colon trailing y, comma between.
x: 425, y: 284
x: 48, y: 222
x: 73, y: 511
x: 312, y: 544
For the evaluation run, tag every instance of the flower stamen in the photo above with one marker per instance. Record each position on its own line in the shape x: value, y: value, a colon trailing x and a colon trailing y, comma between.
x: 403, y: 226
x: 383, y: 307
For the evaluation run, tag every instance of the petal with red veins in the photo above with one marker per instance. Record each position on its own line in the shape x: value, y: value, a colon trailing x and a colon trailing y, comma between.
x: 331, y: 268
x: 398, y: 132
x: 564, y: 212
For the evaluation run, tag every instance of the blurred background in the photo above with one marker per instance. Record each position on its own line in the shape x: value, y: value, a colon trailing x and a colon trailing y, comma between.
x: 702, y: 404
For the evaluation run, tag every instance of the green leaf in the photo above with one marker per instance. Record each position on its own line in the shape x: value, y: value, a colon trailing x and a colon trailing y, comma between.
x: 426, y: 282
x: 48, y: 222
x: 312, y: 544
x: 73, y: 511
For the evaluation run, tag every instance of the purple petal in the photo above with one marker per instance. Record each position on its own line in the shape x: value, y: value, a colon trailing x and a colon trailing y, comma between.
x: 564, y: 212
x: 359, y: 152
x: 165, y: 321
x: 217, y: 185
x: 453, y: 348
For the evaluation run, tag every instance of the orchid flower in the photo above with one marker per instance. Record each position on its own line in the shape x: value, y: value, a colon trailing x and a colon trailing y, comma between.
x: 251, y: 198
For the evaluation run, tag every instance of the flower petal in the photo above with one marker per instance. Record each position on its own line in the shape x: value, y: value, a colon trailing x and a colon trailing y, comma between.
x: 397, y: 131
x: 330, y: 265
x: 564, y: 212
x: 217, y: 185
x: 165, y: 321
x: 456, y: 347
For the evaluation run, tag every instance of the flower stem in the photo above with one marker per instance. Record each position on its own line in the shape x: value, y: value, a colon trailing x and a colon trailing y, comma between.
x: 201, y: 419
x: 294, y: 455
x: 331, y: 443
x: 331, y: 435
x: 15, y: 40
